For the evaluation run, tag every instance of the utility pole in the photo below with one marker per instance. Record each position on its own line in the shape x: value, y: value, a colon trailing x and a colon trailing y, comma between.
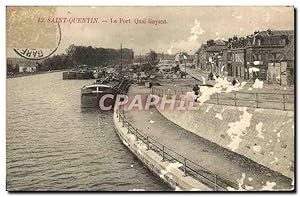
x: 140, y: 66
x: 149, y: 57
x: 280, y: 68
x: 185, y: 68
x: 280, y: 73
x: 121, y: 58
x: 140, y: 60
x: 184, y: 64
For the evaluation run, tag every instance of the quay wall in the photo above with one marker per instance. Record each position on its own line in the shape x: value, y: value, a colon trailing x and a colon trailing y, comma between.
x: 264, y: 136
x: 167, y: 171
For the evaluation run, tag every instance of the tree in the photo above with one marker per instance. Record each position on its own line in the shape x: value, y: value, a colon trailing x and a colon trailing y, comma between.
x: 71, y: 50
x: 99, y: 56
x: 57, y: 62
x: 12, y: 69
x: 9, y: 68
x: 152, y: 58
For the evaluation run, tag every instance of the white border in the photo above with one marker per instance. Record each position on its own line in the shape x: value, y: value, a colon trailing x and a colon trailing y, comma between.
x: 4, y: 3
x: 150, y: 2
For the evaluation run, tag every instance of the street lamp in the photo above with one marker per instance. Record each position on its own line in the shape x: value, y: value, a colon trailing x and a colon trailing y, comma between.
x: 211, y: 61
x: 280, y: 73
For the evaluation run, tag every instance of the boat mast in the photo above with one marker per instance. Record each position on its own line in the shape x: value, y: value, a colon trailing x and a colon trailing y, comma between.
x: 121, y: 58
x: 140, y: 62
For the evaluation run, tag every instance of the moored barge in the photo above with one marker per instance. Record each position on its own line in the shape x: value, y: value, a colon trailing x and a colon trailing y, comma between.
x: 91, y: 94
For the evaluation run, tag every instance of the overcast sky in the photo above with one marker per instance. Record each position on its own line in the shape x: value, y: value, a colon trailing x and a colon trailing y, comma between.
x: 186, y: 30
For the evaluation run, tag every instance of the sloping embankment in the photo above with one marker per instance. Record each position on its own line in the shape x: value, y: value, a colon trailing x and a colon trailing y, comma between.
x: 265, y: 136
x: 168, y: 172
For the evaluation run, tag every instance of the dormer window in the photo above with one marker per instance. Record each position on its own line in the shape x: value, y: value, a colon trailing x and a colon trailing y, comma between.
x: 283, y: 40
x: 258, y: 42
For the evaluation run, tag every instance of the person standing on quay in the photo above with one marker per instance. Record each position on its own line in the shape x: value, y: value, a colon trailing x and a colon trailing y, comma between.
x: 196, y: 90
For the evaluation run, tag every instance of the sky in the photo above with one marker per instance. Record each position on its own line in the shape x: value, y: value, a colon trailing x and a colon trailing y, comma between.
x: 186, y: 29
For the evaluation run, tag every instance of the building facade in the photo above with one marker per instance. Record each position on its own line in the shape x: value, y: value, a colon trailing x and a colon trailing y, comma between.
x: 266, y: 55
x: 208, y: 54
x: 200, y: 57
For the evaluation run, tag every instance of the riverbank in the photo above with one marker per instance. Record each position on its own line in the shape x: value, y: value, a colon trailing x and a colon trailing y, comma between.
x: 243, y: 172
x: 168, y: 171
x: 264, y: 136
x: 259, y: 126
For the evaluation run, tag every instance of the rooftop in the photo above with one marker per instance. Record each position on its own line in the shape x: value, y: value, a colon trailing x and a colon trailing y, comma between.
x: 215, y: 48
x: 269, y: 33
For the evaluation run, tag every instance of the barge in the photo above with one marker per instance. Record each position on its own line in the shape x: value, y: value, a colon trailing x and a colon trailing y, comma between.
x: 91, y: 94
x: 78, y: 75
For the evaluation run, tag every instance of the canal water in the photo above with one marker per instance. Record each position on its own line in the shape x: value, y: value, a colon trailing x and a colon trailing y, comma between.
x: 51, y: 144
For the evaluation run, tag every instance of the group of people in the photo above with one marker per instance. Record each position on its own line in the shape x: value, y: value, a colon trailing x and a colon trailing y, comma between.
x: 211, y: 76
x: 196, y: 88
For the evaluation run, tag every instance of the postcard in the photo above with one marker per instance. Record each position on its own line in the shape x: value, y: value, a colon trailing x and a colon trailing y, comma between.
x: 150, y: 98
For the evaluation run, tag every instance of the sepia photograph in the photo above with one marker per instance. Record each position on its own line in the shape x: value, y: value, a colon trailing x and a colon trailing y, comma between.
x: 150, y: 98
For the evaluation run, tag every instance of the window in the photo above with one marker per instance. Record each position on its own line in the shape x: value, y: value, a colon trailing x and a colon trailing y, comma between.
x: 92, y: 88
x: 277, y: 55
x: 102, y: 88
x: 254, y: 57
x: 259, y: 57
x: 259, y: 42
